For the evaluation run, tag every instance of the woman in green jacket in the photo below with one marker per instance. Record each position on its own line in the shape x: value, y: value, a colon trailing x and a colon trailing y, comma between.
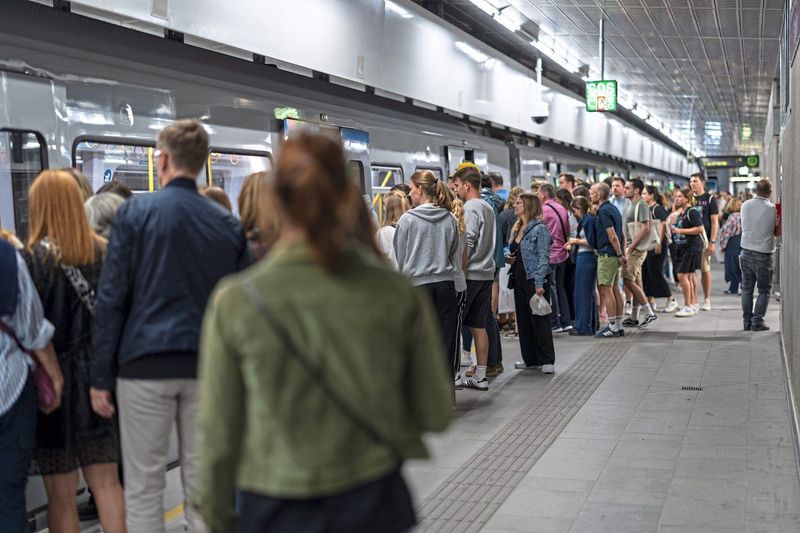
x: 320, y: 370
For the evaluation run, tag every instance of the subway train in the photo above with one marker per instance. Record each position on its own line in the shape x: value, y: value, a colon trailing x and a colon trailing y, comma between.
x: 102, y: 117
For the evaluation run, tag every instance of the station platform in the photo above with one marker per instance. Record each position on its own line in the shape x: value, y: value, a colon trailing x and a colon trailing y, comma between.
x: 682, y: 427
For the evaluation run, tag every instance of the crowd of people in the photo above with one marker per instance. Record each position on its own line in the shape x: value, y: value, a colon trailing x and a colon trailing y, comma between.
x: 288, y: 346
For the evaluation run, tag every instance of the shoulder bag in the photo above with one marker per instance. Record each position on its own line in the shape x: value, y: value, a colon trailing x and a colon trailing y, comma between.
x: 81, y: 285
x: 703, y: 236
x: 649, y: 242
x: 315, y: 372
x: 45, y: 391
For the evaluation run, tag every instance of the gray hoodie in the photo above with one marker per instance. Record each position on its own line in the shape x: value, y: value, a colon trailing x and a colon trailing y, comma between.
x: 426, y: 244
x: 480, y: 240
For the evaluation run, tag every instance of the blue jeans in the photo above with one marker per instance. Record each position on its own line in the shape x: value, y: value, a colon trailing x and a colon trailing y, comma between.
x: 584, y: 293
x: 17, y: 442
x: 756, y: 271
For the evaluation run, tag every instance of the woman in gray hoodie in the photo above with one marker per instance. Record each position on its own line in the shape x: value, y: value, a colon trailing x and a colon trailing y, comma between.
x: 426, y: 247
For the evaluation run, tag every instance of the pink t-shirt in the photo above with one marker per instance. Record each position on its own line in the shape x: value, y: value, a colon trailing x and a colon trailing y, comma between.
x: 556, y: 219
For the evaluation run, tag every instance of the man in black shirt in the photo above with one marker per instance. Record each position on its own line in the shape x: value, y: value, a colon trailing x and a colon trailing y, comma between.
x: 710, y: 211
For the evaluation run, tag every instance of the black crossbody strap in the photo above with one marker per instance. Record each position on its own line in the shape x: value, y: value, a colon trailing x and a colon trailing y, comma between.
x: 314, y: 371
x: 560, y: 221
x: 81, y: 285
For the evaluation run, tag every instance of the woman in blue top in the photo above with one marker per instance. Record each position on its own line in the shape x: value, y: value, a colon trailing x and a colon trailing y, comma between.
x: 529, y: 256
x: 584, y: 295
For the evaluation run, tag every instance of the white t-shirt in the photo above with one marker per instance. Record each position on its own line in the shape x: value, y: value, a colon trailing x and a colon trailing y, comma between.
x: 385, y: 238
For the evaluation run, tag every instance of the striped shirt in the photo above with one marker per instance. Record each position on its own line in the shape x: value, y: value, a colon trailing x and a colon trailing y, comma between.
x: 33, y: 331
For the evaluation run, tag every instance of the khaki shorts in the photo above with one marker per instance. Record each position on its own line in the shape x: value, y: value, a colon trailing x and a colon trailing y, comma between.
x: 633, y: 272
x: 705, y: 261
x: 607, y: 270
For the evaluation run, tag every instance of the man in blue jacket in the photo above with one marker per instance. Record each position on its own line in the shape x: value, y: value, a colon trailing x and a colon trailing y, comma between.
x: 166, y: 253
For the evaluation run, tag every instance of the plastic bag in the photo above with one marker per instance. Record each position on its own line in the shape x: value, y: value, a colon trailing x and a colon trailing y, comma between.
x: 539, y: 306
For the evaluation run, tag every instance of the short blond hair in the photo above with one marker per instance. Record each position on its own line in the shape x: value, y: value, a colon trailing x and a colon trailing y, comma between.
x: 187, y: 143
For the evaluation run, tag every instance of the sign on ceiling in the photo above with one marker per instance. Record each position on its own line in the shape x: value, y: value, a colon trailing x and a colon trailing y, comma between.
x: 601, y: 95
x: 732, y: 161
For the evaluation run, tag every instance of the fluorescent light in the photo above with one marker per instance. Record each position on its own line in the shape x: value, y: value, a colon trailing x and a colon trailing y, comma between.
x: 505, y: 21
x: 641, y: 112
x: 560, y: 60
x: 473, y: 53
x: 486, y: 7
x: 397, y: 10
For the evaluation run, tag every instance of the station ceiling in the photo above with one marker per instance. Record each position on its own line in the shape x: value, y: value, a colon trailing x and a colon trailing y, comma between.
x: 704, y: 67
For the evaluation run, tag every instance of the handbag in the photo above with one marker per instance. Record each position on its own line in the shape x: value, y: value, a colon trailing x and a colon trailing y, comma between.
x: 540, y: 306
x: 649, y: 242
x: 45, y: 390
x: 314, y: 371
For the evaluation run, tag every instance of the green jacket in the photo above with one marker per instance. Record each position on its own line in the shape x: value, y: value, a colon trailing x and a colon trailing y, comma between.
x: 267, y: 427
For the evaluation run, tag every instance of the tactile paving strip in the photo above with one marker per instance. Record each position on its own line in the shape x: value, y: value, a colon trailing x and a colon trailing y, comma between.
x: 468, y: 498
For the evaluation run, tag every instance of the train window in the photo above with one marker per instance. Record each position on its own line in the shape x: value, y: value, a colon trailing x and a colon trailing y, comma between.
x: 22, y: 157
x: 435, y: 170
x: 356, y: 171
x: 102, y: 161
x: 227, y: 170
x: 384, y: 177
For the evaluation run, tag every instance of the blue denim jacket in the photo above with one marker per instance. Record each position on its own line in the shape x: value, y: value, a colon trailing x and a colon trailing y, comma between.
x: 535, y: 251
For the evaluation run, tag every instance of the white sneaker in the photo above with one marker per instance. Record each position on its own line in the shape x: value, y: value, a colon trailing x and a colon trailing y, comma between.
x: 473, y: 383
x: 706, y: 305
x: 548, y: 369
x: 466, y: 358
x: 686, y: 311
x: 522, y: 365
x: 671, y: 307
x: 696, y: 308
x: 566, y: 328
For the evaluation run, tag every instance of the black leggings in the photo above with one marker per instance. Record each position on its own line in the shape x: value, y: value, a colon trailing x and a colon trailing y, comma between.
x: 443, y: 296
x: 655, y: 284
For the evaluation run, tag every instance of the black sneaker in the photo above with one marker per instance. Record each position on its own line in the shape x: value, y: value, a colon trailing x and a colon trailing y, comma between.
x: 630, y: 323
x: 649, y: 319
x: 606, y: 333
x: 747, y: 327
x: 759, y: 327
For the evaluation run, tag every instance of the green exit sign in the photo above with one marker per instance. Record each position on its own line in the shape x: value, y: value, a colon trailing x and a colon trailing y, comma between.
x: 601, y: 95
x: 752, y: 161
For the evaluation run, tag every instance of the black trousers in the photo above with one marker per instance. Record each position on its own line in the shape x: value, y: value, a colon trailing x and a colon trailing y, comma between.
x: 655, y: 284
x: 535, y: 332
x: 380, y: 506
x: 560, y: 316
x: 443, y: 296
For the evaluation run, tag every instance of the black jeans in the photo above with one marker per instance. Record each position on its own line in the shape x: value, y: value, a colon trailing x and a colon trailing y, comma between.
x: 380, y: 506
x: 443, y: 296
x: 535, y: 333
x: 561, y: 316
x: 17, y: 442
x: 655, y: 284
x: 756, y: 271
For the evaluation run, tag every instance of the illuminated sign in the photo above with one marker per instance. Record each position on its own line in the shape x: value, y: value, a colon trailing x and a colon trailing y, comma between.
x: 601, y: 95
x: 282, y: 113
x: 732, y: 161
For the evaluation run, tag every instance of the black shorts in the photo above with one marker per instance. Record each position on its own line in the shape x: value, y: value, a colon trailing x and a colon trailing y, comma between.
x: 688, y: 261
x: 479, y: 303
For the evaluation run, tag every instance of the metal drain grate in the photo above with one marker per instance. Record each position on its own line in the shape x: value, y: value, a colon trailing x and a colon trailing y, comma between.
x: 691, y: 388
x: 468, y: 498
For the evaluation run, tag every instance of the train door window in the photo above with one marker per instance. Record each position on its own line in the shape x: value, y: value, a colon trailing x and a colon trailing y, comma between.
x: 355, y: 169
x: 103, y: 161
x: 23, y: 156
x: 435, y: 170
x: 384, y: 177
x: 227, y: 170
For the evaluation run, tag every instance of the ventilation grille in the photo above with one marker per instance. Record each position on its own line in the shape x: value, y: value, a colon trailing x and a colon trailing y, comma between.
x: 691, y: 388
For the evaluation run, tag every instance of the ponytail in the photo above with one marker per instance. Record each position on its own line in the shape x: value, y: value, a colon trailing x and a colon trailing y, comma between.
x: 443, y: 197
x: 433, y: 188
x: 312, y: 186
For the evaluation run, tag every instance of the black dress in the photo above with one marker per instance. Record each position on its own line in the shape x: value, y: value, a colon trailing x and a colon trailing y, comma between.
x: 73, y: 435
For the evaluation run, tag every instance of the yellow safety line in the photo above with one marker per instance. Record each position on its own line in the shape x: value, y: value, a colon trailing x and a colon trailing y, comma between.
x: 150, y: 184
x: 173, y: 513
x: 208, y: 170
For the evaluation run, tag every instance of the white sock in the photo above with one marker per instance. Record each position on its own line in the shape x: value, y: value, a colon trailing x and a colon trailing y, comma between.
x: 480, y: 373
x: 648, y: 310
x: 612, y: 323
x: 635, y: 312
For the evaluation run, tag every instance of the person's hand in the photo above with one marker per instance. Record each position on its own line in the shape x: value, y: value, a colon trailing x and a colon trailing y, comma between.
x: 540, y: 291
x: 102, y: 402
x: 623, y: 261
x: 58, y: 387
x: 711, y: 247
x: 657, y: 249
x: 568, y: 244
x: 511, y: 258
